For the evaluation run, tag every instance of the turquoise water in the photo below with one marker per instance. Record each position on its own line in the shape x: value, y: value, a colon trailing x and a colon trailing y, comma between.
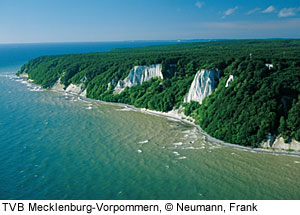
x: 56, y: 146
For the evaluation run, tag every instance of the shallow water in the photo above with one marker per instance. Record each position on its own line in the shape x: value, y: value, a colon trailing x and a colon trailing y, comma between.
x: 56, y: 146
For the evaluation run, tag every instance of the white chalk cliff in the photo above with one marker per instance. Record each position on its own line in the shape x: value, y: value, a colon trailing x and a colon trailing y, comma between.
x: 204, y: 83
x: 138, y: 75
x: 277, y: 142
x: 72, y: 88
x: 230, y: 79
x: 58, y: 86
x: 75, y: 89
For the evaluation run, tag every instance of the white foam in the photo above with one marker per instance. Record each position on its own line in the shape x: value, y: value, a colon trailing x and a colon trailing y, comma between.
x: 139, y: 151
x: 124, y: 109
x: 177, y: 144
x: 35, y: 89
x: 173, y: 119
x: 145, y: 141
x: 89, y: 108
x: 186, y: 132
x: 176, y: 153
x: 190, y: 147
x: 297, y: 161
x: 181, y: 158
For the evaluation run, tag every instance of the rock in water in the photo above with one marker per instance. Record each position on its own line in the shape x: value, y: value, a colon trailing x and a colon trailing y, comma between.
x: 138, y: 75
x: 204, y: 83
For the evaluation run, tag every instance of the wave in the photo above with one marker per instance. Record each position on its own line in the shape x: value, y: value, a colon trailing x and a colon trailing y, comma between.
x: 181, y: 158
x: 176, y: 153
x: 177, y: 144
x: 145, y: 141
x: 124, y: 109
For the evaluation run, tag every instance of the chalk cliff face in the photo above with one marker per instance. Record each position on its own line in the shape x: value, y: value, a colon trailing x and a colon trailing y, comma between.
x: 112, y: 83
x: 278, y: 143
x: 230, y: 79
x: 204, y: 83
x: 72, y: 88
x: 58, y: 86
x: 138, y: 75
x: 75, y: 89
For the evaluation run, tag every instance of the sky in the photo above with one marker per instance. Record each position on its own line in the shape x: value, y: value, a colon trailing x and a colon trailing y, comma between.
x: 35, y: 21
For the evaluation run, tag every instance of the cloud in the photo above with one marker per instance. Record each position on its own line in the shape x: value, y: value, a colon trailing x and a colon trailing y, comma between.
x: 278, y: 28
x: 229, y: 12
x: 286, y: 12
x: 253, y: 11
x: 199, y: 4
x: 269, y: 9
x: 251, y: 25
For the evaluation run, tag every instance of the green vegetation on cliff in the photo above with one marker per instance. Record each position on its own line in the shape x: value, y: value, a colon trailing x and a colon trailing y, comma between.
x: 258, y: 102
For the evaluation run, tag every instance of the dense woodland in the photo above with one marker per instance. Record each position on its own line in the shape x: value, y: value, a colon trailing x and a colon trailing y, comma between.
x: 258, y: 102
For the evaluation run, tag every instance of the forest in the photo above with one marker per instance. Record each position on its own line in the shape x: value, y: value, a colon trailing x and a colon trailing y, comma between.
x: 258, y: 102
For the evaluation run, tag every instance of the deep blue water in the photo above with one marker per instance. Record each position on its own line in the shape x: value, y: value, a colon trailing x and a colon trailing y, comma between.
x: 16, y: 54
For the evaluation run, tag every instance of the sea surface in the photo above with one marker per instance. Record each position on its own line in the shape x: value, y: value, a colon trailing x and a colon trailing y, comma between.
x: 57, y: 146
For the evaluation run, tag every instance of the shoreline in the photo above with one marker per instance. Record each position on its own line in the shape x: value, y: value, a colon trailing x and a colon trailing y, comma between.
x: 199, y: 129
x: 177, y: 117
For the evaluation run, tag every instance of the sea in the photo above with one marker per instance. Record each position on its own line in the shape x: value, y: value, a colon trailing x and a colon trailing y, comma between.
x: 57, y: 146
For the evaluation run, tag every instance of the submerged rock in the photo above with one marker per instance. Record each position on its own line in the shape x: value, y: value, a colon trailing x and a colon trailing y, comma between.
x: 204, y: 83
x: 138, y: 75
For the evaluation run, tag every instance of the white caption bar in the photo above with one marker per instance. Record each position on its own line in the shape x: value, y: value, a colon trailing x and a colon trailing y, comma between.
x: 165, y: 207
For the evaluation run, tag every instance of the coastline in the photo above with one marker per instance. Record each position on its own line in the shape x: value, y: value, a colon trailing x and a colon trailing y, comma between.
x: 199, y: 129
x: 177, y: 117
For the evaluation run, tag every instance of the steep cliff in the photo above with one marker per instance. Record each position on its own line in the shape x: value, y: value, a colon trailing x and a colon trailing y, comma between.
x: 230, y: 79
x: 279, y: 143
x: 242, y: 113
x: 75, y: 89
x: 138, y: 75
x: 58, y: 86
x: 204, y: 83
x: 72, y: 88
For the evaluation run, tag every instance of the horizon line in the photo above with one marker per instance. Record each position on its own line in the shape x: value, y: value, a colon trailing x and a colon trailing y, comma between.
x: 158, y: 40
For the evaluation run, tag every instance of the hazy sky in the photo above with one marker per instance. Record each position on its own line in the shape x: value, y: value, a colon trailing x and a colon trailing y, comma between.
x: 117, y: 20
